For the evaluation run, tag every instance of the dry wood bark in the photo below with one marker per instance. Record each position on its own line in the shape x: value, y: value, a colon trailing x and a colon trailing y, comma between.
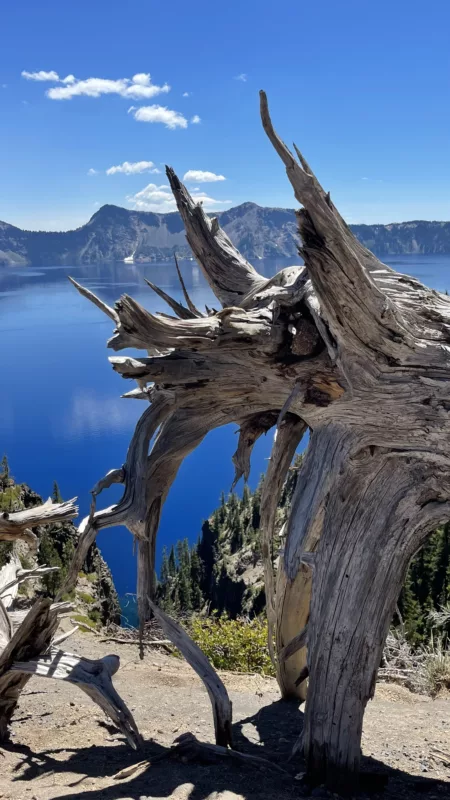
x: 348, y: 348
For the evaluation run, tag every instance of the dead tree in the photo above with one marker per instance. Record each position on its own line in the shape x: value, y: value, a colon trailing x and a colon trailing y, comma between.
x: 29, y: 640
x: 343, y: 346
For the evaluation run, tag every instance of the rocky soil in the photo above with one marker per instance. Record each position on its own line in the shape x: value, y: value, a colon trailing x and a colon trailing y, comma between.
x: 62, y: 747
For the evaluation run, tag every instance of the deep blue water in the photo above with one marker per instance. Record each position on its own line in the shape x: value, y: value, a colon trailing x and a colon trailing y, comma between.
x: 61, y: 416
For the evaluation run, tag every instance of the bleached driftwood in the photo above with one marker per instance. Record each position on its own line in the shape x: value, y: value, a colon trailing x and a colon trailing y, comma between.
x: 12, y: 575
x: 28, y: 638
x: 358, y: 354
x: 16, y: 525
x: 92, y: 676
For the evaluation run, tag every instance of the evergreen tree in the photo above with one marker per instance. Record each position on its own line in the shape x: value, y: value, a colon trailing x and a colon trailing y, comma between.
x: 56, y: 494
x: 172, y: 563
x: 164, y: 578
x: 5, y: 468
x: 196, y: 580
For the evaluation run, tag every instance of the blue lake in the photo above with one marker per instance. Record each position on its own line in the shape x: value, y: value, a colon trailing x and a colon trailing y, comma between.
x: 61, y: 415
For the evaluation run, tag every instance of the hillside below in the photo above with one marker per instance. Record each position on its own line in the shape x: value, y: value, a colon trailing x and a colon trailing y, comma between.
x: 95, y: 601
x: 114, y: 233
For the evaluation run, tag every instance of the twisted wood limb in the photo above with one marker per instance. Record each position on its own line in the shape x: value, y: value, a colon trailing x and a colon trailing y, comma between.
x: 288, y: 436
x: 15, y: 525
x: 93, y: 677
x: 220, y: 702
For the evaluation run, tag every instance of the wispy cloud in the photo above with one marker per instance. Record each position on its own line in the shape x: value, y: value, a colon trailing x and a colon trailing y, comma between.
x: 187, y: 94
x: 242, y: 77
x: 41, y: 76
x: 195, y: 120
x: 160, y: 199
x: 139, y: 87
x: 200, y: 176
x: 92, y: 171
x: 171, y: 119
x: 133, y: 168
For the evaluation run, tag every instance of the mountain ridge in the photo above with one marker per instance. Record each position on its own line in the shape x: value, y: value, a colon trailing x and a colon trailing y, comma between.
x: 114, y: 233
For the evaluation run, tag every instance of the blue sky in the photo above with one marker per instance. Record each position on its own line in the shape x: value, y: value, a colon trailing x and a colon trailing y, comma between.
x: 362, y: 87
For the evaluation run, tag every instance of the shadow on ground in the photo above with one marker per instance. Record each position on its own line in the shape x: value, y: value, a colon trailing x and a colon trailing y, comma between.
x: 275, y: 728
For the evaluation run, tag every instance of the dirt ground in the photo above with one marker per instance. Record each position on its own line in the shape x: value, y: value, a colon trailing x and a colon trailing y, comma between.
x: 62, y: 746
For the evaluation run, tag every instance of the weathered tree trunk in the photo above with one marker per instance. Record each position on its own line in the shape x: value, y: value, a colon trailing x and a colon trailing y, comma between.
x: 377, y: 516
x: 348, y: 348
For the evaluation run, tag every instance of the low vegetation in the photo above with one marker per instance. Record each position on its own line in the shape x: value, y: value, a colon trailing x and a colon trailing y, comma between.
x: 239, y: 645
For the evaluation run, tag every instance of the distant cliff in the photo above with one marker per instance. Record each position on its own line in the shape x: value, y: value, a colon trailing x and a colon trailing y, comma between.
x: 114, y: 233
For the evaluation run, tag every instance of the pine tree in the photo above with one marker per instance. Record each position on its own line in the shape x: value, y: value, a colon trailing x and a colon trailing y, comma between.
x: 5, y: 468
x: 48, y: 555
x: 172, y: 563
x: 56, y: 494
x: 196, y: 580
x: 164, y: 568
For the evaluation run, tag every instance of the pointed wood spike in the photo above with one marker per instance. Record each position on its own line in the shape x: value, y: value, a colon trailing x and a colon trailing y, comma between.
x: 110, y: 312
x: 228, y: 273
x: 303, y: 160
x: 189, y: 302
x: 179, y: 309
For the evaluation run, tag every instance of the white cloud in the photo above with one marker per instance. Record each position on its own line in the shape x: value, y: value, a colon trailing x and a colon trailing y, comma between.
x: 209, y: 203
x: 133, y: 168
x: 171, y: 119
x: 41, y: 76
x: 139, y: 87
x: 92, y: 171
x: 142, y: 78
x: 160, y: 199
x: 195, y: 120
x: 242, y: 77
x: 153, y: 198
x: 199, y: 176
x: 187, y: 94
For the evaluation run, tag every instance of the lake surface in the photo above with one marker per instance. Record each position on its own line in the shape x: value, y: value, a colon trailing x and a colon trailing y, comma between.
x: 61, y: 415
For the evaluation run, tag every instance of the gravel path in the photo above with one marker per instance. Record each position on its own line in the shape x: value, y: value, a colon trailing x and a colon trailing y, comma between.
x: 62, y: 747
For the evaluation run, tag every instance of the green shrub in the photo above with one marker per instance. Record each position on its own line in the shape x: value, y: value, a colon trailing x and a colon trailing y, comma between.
x: 84, y: 619
x: 10, y: 498
x: 26, y: 562
x: 86, y: 598
x: 234, y: 644
x: 94, y: 615
x: 67, y: 597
